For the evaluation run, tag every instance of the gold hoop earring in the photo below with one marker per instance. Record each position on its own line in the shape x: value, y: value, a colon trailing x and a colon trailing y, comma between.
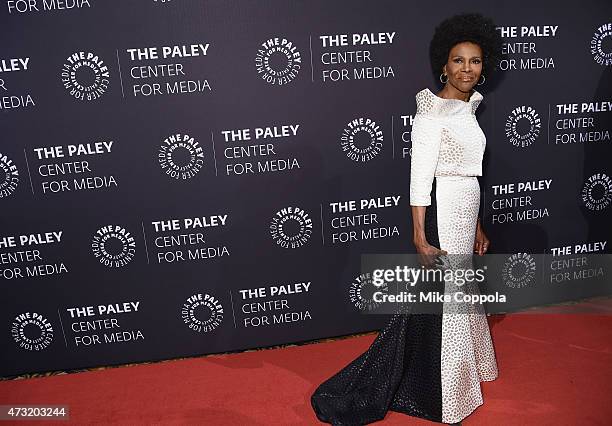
x: 483, y: 80
x: 443, y: 82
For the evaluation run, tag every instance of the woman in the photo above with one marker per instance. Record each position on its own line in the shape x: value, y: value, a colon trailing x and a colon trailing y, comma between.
x: 431, y: 365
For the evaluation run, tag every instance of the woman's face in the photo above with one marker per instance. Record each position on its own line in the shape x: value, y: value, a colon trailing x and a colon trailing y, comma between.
x: 464, y: 66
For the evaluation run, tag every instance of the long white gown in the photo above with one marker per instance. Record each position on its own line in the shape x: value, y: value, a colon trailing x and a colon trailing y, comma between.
x: 428, y: 365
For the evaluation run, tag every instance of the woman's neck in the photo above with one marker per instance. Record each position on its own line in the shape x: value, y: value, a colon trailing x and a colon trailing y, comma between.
x: 448, y: 93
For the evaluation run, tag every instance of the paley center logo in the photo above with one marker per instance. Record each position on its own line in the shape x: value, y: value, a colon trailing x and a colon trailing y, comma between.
x: 291, y: 227
x: 85, y: 76
x: 362, y: 139
x: 32, y: 331
x: 202, y: 312
x: 10, y: 176
x: 597, y: 192
x: 278, y: 61
x: 113, y: 246
x: 523, y: 126
x: 361, y: 292
x: 519, y: 270
x: 181, y: 156
x: 599, y: 39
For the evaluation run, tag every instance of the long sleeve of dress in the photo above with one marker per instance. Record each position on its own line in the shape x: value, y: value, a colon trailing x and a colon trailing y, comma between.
x: 426, y: 139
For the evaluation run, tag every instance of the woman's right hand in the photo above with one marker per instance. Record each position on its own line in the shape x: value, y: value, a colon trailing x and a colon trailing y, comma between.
x: 427, y: 253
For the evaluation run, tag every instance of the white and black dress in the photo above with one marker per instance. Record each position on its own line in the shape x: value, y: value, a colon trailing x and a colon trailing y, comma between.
x: 427, y: 365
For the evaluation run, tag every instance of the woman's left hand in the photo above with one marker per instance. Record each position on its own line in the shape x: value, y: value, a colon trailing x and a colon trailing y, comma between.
x: 481, y: 242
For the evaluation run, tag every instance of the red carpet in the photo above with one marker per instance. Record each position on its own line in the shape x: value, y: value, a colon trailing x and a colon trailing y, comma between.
x: 555, y: 369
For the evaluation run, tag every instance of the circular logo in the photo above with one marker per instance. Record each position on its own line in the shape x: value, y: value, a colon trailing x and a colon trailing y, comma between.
x: 85, y: 76
x: 9, y: 177
x: 181, y: 156
x: 519, y: 270
x: 202, y: 312
x: 597, y: 192
x: 32, y: 331
x: 361, y: 292
x: 602, y: 34
x: 278, y: 61
x: 113, y: 246
x: 523, y: 126
x: 291, y: 227
x: 361, y: 139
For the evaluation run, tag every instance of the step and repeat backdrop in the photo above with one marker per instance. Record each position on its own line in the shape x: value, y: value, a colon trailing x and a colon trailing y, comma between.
x: 186, y: 177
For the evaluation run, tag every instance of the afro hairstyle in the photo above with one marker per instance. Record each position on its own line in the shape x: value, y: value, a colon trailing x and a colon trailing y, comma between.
x: 472, y: 27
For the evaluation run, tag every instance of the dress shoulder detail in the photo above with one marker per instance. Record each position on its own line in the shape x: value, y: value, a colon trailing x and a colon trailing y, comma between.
x: 428, y: 103
x: 424, y: 101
